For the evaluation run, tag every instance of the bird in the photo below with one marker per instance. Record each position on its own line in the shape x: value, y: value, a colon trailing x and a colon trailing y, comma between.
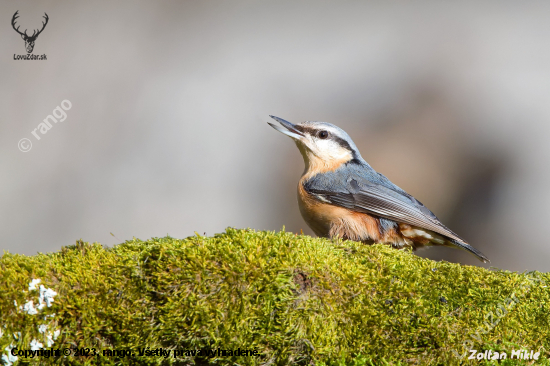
x: 341, y: 196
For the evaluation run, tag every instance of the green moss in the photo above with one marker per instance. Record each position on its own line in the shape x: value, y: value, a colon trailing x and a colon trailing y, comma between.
x: 295, y: 299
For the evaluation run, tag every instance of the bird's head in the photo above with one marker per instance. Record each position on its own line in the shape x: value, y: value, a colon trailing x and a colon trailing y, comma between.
x: 324, y: 146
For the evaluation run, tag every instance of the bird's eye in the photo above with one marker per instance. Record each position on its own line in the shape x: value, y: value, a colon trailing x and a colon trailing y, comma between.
x: 322, y: 134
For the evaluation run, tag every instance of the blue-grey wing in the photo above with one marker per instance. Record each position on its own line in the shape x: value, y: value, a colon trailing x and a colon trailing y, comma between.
x: 346, y: 188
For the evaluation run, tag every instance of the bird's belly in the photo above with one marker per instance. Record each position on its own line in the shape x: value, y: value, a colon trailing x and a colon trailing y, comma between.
x: 331, y: 221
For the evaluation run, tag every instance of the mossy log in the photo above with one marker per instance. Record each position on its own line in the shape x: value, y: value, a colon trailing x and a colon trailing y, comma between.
x: 291, y: 298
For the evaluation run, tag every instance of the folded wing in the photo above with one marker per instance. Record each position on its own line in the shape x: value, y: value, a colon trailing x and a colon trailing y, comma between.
x: 382, y: 199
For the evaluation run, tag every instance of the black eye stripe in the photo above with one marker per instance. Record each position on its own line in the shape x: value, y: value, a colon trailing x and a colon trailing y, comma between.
x: 304, y: 129
x: 313, y: 131
x: 341, y: 142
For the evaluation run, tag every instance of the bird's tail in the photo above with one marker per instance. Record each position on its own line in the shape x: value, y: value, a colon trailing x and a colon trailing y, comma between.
x: 462, y: 245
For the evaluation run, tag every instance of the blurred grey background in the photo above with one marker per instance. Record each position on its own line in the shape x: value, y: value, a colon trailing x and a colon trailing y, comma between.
x: 167, y: 132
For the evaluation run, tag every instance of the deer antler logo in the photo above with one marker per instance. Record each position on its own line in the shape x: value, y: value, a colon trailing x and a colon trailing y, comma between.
x: 29, y: 40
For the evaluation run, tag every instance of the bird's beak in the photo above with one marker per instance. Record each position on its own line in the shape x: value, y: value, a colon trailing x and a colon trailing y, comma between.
x: 289, y: 129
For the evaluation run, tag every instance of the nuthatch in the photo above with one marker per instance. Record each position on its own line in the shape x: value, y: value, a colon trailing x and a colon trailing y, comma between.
x: 341, y: 196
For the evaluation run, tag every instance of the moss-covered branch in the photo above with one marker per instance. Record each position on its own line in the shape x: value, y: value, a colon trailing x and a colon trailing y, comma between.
x: 294, y: 299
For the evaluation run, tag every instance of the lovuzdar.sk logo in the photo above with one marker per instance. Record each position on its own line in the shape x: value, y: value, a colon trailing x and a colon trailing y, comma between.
x: 29, y: 40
